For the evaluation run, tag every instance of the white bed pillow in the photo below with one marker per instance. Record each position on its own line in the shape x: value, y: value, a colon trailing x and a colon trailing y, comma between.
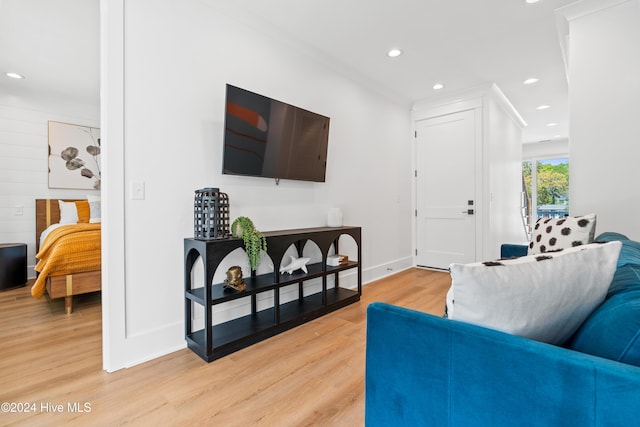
x: 95, y: 207
x: 543, y: 297
x: 68, y: 212
x: 96, y: 211
x: 46, y: 232
x: 555, y: 234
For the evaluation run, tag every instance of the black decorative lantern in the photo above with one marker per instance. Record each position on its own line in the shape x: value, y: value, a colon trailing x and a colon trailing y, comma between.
x: 210, y: 214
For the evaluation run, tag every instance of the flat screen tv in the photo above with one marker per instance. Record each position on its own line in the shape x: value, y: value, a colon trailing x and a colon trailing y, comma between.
x: 269, y: 138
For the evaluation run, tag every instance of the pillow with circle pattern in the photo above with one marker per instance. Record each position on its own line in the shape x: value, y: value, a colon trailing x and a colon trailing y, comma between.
x: 556, y: 234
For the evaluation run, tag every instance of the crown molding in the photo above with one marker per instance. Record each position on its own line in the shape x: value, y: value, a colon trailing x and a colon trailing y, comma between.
x: 577, y: 10
x: 584, y: 8
x: 466, y: 99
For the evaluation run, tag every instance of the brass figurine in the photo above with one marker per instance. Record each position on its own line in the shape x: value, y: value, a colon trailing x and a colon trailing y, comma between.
x: 234, y: 279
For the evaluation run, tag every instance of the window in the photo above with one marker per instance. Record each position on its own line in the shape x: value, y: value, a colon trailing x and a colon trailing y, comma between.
x: 550, y: 196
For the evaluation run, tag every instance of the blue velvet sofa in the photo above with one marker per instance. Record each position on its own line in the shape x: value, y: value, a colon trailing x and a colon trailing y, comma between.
x: 424, y: 370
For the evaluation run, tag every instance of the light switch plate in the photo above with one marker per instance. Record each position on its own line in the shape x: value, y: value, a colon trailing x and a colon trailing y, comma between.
x: 137, y: 190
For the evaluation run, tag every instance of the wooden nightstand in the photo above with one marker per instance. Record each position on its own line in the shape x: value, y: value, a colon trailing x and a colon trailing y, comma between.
x: 13, y: 265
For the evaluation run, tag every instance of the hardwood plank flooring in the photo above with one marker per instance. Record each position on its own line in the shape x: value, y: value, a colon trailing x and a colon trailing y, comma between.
x: 312, y: 375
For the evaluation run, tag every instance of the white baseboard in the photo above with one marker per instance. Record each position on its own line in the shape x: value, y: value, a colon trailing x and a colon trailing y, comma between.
x: 156, y: 355
x: 387, y: 269
x: 31, y: 273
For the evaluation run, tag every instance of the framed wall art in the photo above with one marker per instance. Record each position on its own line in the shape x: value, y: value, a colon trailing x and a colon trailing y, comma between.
x: 74, y: 156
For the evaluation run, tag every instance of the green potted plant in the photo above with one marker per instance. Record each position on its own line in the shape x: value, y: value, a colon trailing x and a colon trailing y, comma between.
x: 254, y: 240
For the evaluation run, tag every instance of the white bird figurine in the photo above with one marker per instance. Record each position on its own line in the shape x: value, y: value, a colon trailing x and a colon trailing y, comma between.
x: 295, y: 264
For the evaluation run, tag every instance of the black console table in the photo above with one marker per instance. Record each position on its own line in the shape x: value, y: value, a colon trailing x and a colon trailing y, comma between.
x: 215, y: 341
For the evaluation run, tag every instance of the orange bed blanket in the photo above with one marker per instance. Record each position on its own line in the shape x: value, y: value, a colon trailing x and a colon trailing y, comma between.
x: 68, y: 249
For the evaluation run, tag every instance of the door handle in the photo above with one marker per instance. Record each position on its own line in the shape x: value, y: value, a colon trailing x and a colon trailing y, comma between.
x: 468, y: 212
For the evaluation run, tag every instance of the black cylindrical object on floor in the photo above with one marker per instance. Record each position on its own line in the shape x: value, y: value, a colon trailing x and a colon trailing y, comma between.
x: 13, y: 265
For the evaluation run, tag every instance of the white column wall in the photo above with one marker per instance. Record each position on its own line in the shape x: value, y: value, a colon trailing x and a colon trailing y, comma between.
x: 604, y: 65
x: 505, y: 180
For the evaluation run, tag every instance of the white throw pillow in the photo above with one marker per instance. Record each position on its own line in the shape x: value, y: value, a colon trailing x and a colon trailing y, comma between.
x: 543, y: 297
x: 68, y: 212
x: 554, y: 234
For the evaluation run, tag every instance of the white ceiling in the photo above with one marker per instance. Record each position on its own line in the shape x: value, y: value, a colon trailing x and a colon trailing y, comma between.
x: 55, y: 44
x: 461, y: 43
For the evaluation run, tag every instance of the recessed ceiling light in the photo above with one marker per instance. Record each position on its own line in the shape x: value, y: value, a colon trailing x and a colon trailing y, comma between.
x: 530, y: 81
x: 14, y: 75
x: 393, y: 53
x: 552, y: 124
x: 531, y: 1
x: 542, y: 107
x: 438, y: 86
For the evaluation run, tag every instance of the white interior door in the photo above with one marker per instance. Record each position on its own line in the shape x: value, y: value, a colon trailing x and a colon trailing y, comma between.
x: 446, y: 182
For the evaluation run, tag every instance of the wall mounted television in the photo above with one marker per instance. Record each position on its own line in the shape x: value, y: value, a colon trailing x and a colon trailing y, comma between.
x: 269, y: 138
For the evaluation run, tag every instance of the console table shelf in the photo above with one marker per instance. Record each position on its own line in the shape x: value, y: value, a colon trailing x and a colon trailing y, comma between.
x: 215, y: 341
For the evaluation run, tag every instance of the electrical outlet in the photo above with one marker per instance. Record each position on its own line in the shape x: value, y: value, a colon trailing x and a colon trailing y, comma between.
x: 18, y: 211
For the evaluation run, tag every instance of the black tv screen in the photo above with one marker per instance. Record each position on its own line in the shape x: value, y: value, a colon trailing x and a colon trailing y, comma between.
x: 268, y: 138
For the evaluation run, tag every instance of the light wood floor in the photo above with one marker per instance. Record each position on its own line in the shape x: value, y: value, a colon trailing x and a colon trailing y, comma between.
x: 312, y: 375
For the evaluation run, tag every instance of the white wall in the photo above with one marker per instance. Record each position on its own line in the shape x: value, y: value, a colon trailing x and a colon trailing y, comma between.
x: 505, y: 179
x: 545, y: 149
x: 178, y: 56
x: 24, y: 161
x: 604, y: 89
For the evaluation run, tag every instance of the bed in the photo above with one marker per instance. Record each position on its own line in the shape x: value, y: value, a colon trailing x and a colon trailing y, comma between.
x: 69, y: 257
